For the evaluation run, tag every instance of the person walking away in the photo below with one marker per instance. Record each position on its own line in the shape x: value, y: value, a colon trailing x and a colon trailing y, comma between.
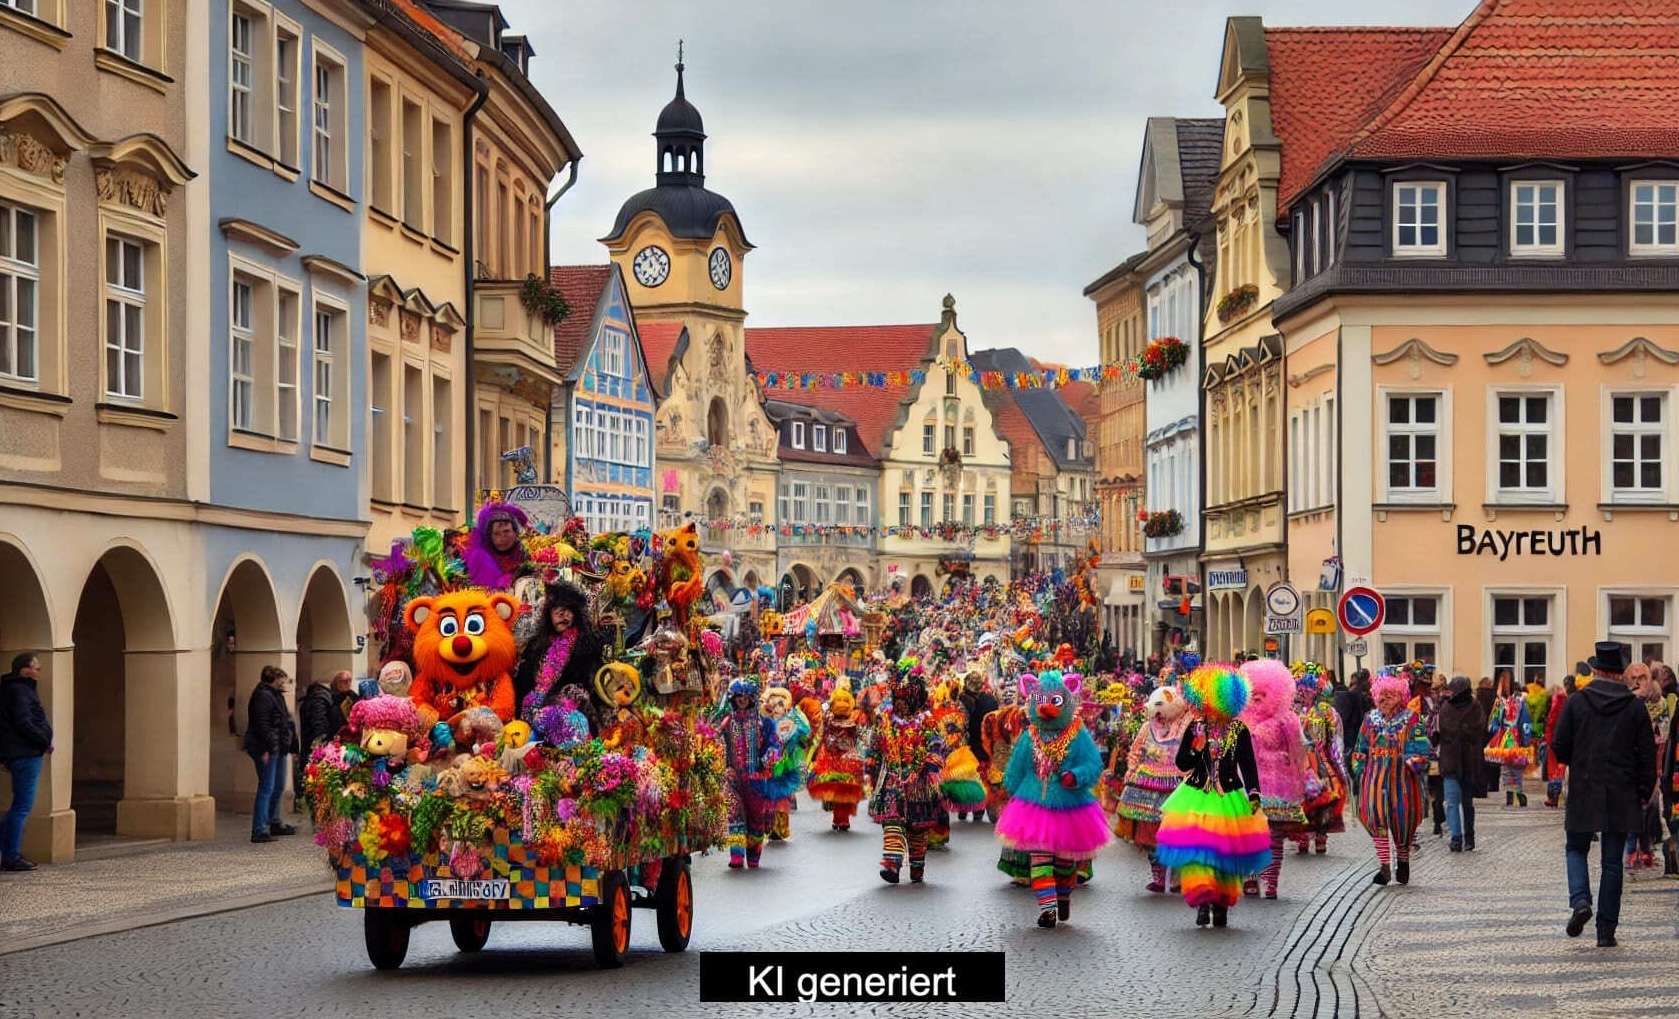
x: 270, y: 734
x: 1511, y: 743
x: 25, y: 741
x: 1461, y: 724
x: 1604, y: 739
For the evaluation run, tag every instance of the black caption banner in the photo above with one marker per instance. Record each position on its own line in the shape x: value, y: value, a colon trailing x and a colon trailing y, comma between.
x: 851, y: 976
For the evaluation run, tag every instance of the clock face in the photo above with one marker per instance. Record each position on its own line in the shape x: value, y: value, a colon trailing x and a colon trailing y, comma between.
x: 651, y: 266
x: 720, y: 268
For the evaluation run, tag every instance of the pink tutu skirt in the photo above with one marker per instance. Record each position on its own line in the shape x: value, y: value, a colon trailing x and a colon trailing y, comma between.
x: 1074, y: 833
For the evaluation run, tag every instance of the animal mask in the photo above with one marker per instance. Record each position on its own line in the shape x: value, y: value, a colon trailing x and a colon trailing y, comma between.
x: 1053, y: 697
x: 840, y: 703
x: 463, y: 650
x: 618, y: 684
x: 1165, y: 704
x: 777, y: 701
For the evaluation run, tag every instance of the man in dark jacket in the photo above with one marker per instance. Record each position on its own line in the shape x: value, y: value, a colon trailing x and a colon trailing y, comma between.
x: 1604, y: 738
x: 1462, y: 735
x: 270, y: 735
x: 323, y: 709
x: 1352, y: 704
x: 25, y: 740
x: 978, y: 702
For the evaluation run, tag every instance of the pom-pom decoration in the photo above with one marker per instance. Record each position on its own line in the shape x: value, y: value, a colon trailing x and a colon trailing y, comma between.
x: 1216, y: 692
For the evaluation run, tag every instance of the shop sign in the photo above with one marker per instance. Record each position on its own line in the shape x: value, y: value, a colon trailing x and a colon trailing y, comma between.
x: 1572, y: 541
x: 1320, y: 622
x: 1136, y: 583
x: 1219, y: 580
x: 1282, y: 624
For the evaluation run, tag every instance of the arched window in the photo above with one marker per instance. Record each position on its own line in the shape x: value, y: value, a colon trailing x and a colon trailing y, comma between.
x: 717, y: 423
x: 694, y: 161
x: 681, y: 159
x: 665, y: 165
x: 717, y: 504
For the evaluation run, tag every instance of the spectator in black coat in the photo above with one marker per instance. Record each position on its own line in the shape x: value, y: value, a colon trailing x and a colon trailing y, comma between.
x: 25, y: 740
x: 270, y: 735
x: 323, y: 709
x: 1604, y: 738
x: 1462, y: 735
x: 1352, y: 704
x: 978, y: 702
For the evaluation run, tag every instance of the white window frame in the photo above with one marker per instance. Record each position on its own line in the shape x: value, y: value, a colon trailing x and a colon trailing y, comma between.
x: 927, y: 508
x: 118, y: 15
x: 968, y: 442
x: 839, y: 439
x: 904, y: 506
x: 330, y: 119
x: 860, y: 503
x: 1556, y: 482
x: 1329, y: 218
x: 798, y: 440
x: 819, y: 438
x: 929, y: 438
x: 1299, y: 245
x: 286, y: 90
x: 801, y: 502
x: 241, y: 94
x: 1442, y: 431
x: 990, y: 515
x: 1520, y: 633
x: 1560, y: 201
x: 842, y: 504
x: 1411, y: 633
x: 1655, y: 204
x: 1419, y: 249
x: 1317, y: 237
x: 125, y: 294
x: 1639, y: 634
x: 24, y: 7
x: 1668, y: 491
x: 968, y: 508
x: 242, y: 333
x: 338, y: 372
x: 820, y: 502
x: 288, y: 354
x: 14, y: 270
x: 612, y: 354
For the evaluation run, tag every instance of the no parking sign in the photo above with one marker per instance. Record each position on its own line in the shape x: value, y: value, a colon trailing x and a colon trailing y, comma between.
x: 1361, y: 610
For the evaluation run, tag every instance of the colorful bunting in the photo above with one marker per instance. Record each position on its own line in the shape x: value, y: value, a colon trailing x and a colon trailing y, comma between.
x: 1046, y: 378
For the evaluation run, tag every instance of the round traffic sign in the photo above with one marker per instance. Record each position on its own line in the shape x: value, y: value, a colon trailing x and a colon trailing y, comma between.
x: 1361, y: 610
x: 1282, y: 599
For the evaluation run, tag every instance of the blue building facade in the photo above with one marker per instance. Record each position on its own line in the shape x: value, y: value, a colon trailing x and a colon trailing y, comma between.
x: 609, y: 402
x: 287, y: 352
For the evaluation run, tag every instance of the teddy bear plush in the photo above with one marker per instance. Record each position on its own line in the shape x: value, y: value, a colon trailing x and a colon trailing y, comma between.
x: 464, y: 652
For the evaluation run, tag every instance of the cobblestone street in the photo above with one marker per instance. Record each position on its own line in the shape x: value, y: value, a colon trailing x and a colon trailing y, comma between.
x: 1473, y: 935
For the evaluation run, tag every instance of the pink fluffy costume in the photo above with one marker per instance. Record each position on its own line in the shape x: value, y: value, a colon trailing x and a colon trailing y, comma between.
x: 1279, y: 748
x: 1052, y: 814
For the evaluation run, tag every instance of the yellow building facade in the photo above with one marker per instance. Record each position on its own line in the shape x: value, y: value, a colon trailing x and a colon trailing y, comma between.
x: 1122, y: 331
x: 682, y: 250
x: 1243, y: 381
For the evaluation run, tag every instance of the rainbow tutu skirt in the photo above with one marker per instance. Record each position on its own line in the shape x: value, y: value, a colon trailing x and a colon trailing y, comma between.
x: 1214, y: 840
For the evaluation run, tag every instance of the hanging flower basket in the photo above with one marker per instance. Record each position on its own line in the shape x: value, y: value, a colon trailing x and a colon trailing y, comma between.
x: 543, y: 299
x: 1164, y: 524
x: 1163, y: 355
x: 1237, y: 302
x: 951, y: 457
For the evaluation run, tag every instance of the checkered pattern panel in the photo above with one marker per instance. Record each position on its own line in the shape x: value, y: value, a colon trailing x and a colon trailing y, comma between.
x: 398, y: 882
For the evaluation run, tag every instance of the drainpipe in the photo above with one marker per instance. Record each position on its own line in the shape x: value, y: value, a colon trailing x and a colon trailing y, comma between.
x: 469, y: 182
x: 547, y: 261
x: 1200, y: 446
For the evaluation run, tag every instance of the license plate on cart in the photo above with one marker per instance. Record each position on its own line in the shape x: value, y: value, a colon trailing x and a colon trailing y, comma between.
x: 458, y: 888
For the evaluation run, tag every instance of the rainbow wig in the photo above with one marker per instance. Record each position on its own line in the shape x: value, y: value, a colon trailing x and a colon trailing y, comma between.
x: 1389, y: 683
x: 1216, y: 692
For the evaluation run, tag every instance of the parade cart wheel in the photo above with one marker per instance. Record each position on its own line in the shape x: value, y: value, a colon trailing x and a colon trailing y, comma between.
x: 387, y: 937
x: 674, y: 905
x: 609, y: 921
x: 470, y: 932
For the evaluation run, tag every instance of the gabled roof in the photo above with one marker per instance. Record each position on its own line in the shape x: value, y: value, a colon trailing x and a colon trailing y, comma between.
x: 1115, y: 273
x: 1051, y: 419
x: 856, y: 450
x: 1200, y: 152
x: 1540, y: 78
x: 1327, y: 83
x: 662, y: 343
x: 825, y: 349
x: 582, y: 287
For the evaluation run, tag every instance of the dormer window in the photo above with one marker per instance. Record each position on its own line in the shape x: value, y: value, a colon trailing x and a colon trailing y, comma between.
x: 1536, y: 217
x: 1418, y: 221
x: 819, y: 438
x: 839, y: 440
x: 798, y: 435
x: 1655, y: 217
x: 1072, y: 447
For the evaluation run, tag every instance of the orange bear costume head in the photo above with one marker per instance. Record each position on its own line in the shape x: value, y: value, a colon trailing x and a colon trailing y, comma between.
x: 463, y: 652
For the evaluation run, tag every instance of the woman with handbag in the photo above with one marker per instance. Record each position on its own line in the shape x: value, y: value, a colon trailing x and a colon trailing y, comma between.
x: 1511, y: 745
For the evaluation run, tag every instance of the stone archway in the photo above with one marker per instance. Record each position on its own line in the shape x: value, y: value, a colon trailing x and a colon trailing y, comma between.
x: 26, y: 628
x: 806, y: 584
x: 126, y: 772
x: 1253, y: 623
x: 851, y: 576
x: 326, y: 640
x: 245, y: 635
x: 921, y: 587
x: 720, y: 588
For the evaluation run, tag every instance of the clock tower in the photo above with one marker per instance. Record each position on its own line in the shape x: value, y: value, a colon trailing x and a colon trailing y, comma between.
x: 681, y: 249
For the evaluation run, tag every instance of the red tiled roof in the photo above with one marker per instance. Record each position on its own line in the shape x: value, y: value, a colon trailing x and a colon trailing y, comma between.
x: 1327, y: 83
x: 581, y: 286
x: 658, y: 343
x: 837, y: 348
x: 1541, y: 78
x: 450, y: 39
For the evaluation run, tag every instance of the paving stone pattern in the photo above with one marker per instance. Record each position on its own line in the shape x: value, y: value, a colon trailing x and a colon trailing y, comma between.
x: 1471, y: 934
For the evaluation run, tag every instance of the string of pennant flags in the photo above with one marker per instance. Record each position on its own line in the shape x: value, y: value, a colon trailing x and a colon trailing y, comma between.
x: 1046, y: 378
x: 1018, y: 527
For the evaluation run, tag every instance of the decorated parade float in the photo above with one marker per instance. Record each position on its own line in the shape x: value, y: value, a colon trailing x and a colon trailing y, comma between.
x: 443, y: 799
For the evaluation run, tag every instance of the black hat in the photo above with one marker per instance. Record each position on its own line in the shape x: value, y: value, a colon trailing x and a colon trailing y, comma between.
x: 1609, y: 656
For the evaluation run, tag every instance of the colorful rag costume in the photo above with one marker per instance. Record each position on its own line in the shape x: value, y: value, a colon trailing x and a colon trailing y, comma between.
x: 787, y: 776
x: 1388, y: 762
x: 1052, y: 813
x: 1511, y: 743
x: 836, y: 776
x: 1151, y: 775
x: 1000, y: 731
x: 1326, y: 769
x: 1554, y: 769
x: 1211, y: 829
x: 750, y: 751
x: 906, y: 756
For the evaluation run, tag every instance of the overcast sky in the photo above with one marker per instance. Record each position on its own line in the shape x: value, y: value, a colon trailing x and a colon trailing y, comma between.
x: 882, y: 153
